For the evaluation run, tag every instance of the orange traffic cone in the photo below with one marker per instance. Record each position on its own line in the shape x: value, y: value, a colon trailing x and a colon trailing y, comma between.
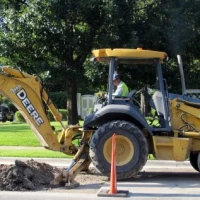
x: 113, y: 192
x: 113, y: 175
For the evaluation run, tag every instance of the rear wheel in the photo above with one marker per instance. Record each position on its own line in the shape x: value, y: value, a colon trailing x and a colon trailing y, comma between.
x: 194, y: 160
x: 131, y: 148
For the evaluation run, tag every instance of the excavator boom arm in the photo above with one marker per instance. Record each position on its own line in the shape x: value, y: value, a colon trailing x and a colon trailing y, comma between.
x: 27, y: 94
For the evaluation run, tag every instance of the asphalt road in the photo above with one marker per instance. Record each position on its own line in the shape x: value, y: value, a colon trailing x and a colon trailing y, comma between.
x: 157, y: 180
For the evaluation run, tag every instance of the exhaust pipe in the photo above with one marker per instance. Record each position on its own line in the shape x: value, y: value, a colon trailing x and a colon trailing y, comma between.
x: 182, y: 74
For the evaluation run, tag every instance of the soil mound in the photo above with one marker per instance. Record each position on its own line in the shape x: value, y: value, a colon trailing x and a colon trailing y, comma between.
x: 33, y: 175
x: 29, y: 175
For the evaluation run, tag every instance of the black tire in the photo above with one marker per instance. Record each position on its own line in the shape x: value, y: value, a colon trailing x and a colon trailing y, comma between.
x: 136, y: 150
x: 193, y: 161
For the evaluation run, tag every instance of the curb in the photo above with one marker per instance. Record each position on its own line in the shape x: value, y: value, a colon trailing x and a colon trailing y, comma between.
x: 67, y: 161
x: 64, y: 162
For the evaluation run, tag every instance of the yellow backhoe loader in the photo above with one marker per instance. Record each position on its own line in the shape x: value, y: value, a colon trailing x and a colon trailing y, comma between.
x: 176, y: 138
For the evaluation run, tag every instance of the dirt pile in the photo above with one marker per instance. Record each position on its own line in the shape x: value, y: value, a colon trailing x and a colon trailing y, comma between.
x: 33, y: 175
x: 29, y: 175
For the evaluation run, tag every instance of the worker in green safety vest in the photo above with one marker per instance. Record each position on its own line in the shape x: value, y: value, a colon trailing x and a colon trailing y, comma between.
x: 122, y: 89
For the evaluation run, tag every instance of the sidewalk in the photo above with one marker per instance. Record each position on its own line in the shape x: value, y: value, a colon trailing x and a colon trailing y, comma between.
x: 20, y: 148
x: 64, y: 161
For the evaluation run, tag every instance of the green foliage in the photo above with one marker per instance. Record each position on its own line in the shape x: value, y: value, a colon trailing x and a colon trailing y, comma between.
x: 5, y: 61
x: 152, y: 118
x: 97, y: 74
x: 52, y: 35
x: 4, y: 100
x: 59, y: 99
x: 62, y: 111
x: 64, y: 114
x: 19, y: 117
x: 54, y: 39
x: 90, y: 110
x: 55, y: 35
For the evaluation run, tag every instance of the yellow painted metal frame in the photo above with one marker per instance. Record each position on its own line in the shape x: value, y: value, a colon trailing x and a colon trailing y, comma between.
x: 171, y: 148
x: 139, y: 53
x: 184, y: 140
x: 189, y: 114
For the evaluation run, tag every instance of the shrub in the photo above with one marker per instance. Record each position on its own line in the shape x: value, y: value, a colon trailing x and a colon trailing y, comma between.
x: 19, y: 117
x: 64, y: 114
x: 62, y: 111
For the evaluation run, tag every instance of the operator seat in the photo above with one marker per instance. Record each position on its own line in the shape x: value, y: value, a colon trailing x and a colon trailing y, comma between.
x: 130, y: 94
x: 157, y: 99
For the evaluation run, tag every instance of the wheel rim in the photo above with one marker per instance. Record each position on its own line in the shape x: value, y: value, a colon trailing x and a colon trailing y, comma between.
x: 124, y: 150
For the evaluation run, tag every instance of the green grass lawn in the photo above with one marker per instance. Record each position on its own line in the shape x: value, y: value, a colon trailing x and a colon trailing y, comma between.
x: 12, y: 134
x: 33, y: 154
x: 20, y: 134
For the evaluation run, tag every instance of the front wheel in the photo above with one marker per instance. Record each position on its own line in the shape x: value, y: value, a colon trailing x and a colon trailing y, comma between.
x: 131, y: 149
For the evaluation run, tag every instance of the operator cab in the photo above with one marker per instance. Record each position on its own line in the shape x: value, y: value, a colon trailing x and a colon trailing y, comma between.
x: 126, y: 108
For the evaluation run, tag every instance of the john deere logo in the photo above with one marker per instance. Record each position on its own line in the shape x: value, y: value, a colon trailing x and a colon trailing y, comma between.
x: 29, y: 107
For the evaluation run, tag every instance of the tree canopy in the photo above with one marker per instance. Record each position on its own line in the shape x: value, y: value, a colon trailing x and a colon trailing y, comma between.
x: 55, y: 39
x: 54, y: 36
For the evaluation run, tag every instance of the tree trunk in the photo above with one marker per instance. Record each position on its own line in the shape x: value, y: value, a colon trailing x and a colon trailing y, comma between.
x: 72, y: 103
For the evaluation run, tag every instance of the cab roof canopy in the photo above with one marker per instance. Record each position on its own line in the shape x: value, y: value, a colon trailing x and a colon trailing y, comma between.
x: 129, y: 56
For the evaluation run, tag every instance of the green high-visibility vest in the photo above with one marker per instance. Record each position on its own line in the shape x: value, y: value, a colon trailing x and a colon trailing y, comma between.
x: 125, y: 89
